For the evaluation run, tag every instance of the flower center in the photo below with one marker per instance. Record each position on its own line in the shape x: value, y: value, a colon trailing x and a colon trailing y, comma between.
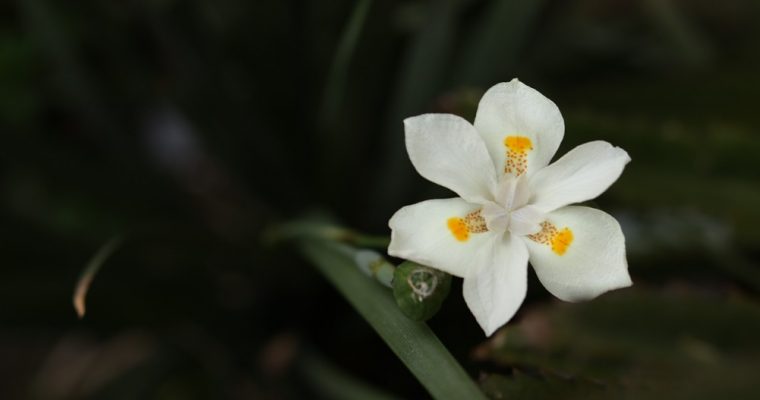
x: 509, y: 210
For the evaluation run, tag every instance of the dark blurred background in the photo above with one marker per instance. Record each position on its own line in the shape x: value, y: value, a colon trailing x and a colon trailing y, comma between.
x: 188, y: 127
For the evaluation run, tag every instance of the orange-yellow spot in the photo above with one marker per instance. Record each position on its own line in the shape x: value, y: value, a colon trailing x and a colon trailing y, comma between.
x: 558, y: 240
x: 517, y: 154
x: 561, y: 241
x: 458, y: 228
x: 518, y: 144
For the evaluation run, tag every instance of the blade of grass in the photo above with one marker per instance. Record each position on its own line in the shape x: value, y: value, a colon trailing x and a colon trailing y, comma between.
x: 413, y: 342
x: 88, y: 274
x: 493, y: 49
x: 684, y: 38
x: 423, y: 77
x: 45, y: 26
x: 336, y: 80
x: 334, y: 139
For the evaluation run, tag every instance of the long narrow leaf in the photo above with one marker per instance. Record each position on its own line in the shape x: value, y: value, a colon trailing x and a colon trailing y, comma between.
x: 491, y: 53
x: 88, y: 274
x: 336, y: 80
x: 413, y: 342
x: 423, y: 76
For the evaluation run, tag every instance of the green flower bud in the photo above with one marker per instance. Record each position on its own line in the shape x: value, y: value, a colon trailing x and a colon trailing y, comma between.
x: 420, y: 290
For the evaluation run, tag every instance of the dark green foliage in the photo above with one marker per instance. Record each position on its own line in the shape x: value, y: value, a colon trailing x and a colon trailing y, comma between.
x: 677, y: 344
x: 187, y: 127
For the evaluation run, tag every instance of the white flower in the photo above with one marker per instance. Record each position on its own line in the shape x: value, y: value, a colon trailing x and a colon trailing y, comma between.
x: 513, y: 205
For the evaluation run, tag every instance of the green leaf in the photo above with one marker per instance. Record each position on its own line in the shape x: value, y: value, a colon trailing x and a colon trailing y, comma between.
x: 421, y: 79
x: 413, y: 342
x: 493, y: 49
x: 522, y: 386
x: 336, y: 81
x: 655, y: 345
x: 420, y: 290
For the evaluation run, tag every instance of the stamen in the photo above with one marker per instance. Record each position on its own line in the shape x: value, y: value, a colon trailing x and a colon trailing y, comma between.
x: 548, y: 231
x: 475, y: 222
x: 461, y: 228
x: 559, y: 241
x: 517, y: 154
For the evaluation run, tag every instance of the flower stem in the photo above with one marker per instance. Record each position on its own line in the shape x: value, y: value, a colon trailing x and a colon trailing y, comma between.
x: 362, y: 240
x: 324, y: 230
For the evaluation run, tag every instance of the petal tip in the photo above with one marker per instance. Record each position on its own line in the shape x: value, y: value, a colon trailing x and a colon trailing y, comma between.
x: 488, y: 324
x: 491, y: 327
x: 488, y: 331
x: 593, y: 293
x: 620, y: 152
x: 409, y: 120
x: 625, y: 282
x: 627, y: 156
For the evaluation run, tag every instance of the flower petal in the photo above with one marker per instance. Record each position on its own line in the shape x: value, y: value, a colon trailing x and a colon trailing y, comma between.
x: 515, y: 110
x: 496, y: 289
x: 420, y: 233
x: 447, y: 150
x: 589, y: 262
x: 582, y: 174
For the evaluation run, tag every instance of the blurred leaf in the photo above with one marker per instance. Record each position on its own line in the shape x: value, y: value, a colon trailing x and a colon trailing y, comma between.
x: 638, y: 340
x: 423, y: 72
x: 18, y: 104
x: 85, y: 280
x: 684, y: 38
x: 333, y: 141
x: 47, y: 29
x: 522, y: 386
x: 733, y: 199
x: 492, y: 51
x: 413, y: 342
x: 336, y: 80
x: 679, y: 161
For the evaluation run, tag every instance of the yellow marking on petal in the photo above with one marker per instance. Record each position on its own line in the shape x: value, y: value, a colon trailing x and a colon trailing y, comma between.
x: 517, y: 154
x: 562, y: 241
x: 558, y: 240
x: 461, y: 228
x: 458, y: 228
x: 518, y: 144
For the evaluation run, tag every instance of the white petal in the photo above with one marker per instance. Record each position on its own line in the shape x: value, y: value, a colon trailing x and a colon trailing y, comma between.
x: 513, y: 108
x: 420, y: 233
x: 496, y: 289
x: 447, y: 150
x: 592, y: 264
x: 582, y: 174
